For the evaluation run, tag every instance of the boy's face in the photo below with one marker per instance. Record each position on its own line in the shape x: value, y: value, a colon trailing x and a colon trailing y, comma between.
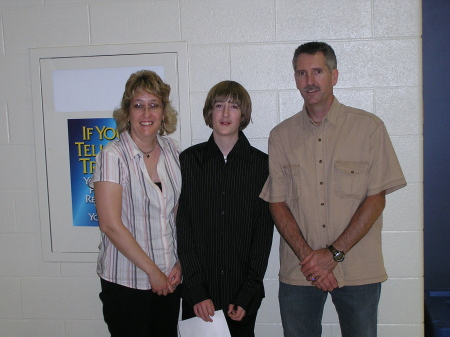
x: 226, y: 119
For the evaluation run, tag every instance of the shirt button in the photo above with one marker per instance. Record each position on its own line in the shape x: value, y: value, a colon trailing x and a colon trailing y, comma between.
x: 321, y: 183
x: 321, y: 204
x: 223, y: 212
x: 324, y: 226
x: 320, y: 139
x: 320, y: 161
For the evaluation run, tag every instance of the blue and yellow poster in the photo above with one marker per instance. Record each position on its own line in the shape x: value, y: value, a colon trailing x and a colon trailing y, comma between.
x: 87, y: 137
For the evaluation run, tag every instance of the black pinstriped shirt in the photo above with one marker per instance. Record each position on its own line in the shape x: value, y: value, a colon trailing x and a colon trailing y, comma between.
x: 224, y: 229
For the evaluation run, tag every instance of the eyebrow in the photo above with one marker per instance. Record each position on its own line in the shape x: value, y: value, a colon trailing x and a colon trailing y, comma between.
x: 143, y: 100
x: 313, y: 68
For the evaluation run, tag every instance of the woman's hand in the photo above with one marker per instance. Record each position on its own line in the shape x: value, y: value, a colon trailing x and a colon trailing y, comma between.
x: 160, y: 283
x: 175, y: 275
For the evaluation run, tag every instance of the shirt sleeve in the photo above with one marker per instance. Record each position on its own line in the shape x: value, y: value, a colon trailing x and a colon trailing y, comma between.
x: 194, y: 279
x: 258, y: 257
x: 385, y: 172
x: 277, y: 184
x: 107, y: 168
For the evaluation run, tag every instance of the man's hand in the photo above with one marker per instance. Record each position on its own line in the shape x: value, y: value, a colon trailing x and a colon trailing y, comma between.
x: 328, y: 283
x: 236, y: 313
x: 318, y: 263
x: 317, y: 267
x: 205, y: 310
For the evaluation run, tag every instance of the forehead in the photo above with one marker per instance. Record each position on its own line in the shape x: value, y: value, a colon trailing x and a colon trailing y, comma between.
x: 226, y: 98
x: 307, y: 61
x: 145, y: 96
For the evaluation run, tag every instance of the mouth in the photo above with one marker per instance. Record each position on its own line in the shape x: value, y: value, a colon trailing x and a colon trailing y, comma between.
x: 225, y: 123
x: 311, y: 89
x: 146, y: 123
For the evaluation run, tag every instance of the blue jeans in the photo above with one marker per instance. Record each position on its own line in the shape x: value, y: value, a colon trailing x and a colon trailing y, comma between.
x: 301, y: 309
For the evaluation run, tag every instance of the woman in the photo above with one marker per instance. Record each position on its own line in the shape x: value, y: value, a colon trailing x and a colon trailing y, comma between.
x: 137, y: 183
x: 224, y: 229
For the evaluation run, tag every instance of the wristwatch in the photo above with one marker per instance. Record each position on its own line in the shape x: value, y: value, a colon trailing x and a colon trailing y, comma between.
x: 338, y: 255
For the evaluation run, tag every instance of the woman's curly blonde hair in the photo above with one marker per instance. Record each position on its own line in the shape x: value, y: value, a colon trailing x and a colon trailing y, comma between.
x: 146, y: 81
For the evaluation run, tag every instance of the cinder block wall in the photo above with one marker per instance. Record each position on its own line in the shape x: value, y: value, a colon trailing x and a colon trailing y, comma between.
x: 378, y: 44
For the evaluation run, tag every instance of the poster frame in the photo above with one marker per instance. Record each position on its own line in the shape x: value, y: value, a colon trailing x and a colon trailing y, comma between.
x: 70, y: 53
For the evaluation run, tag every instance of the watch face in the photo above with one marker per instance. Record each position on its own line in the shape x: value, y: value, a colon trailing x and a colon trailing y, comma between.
x: 338, y: 256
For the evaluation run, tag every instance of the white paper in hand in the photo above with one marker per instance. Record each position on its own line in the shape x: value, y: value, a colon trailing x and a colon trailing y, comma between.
x: 196, y: 327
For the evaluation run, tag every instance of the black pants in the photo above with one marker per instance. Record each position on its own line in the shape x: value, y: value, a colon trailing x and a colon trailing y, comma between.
x: 139, y: 313
x: 244, y: 328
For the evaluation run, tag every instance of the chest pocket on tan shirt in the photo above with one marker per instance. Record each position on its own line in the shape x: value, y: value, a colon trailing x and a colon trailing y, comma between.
x: 351, y: 179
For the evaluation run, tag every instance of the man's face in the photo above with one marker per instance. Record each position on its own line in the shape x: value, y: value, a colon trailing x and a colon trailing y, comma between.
x: 314, y: 80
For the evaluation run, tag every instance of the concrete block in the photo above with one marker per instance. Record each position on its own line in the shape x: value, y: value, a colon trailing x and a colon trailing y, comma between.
x: 21, y: 125
x: 401, y: 109
x: 21, y: 256
x: 403, y: 254
x: 48, y: 298
x: 409, y: 151
x: 208, y: 65
x: 264, y: 114
x: 35, y: 328
x: 322, y: 19
x: 391, y: 18
x: 404, y: 209
x: 45, y: 26
x: 401, y: 301
x: 17, y: 69
x: 134, y: 22
x: 10, y: 298
x: 212, y: 22
x: 263, y: 67
x: 19, y: 168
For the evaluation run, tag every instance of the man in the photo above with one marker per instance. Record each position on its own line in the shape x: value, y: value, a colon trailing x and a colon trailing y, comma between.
x: 224, y: 229
x: 330, y: 168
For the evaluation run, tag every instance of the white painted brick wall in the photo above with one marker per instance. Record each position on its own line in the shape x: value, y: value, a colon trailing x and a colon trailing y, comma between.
x: 378, y: 46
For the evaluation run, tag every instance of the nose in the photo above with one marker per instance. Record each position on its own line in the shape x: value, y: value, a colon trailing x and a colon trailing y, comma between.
x: 310, y: 79
x: 226, y: 111
x: 147, y: 109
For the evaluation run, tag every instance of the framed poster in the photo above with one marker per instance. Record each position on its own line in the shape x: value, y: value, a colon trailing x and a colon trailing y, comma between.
x: 75, y: 90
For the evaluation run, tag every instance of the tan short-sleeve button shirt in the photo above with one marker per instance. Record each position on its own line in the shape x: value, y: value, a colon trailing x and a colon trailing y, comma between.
x: 324, y: 173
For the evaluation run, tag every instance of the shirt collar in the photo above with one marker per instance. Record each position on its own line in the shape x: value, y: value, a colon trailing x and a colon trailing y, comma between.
x: 332, y: 115
x: 131, y: 146
x: 330, y: 118
x: 241, y: 149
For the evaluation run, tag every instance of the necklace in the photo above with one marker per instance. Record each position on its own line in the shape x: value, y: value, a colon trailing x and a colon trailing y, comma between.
x: 151, y: 150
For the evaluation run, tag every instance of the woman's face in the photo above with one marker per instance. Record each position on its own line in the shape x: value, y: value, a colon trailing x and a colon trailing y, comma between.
x: 146, y: 114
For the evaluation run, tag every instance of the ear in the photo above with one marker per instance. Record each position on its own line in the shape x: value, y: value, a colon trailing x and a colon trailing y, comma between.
x: 334, y: 76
